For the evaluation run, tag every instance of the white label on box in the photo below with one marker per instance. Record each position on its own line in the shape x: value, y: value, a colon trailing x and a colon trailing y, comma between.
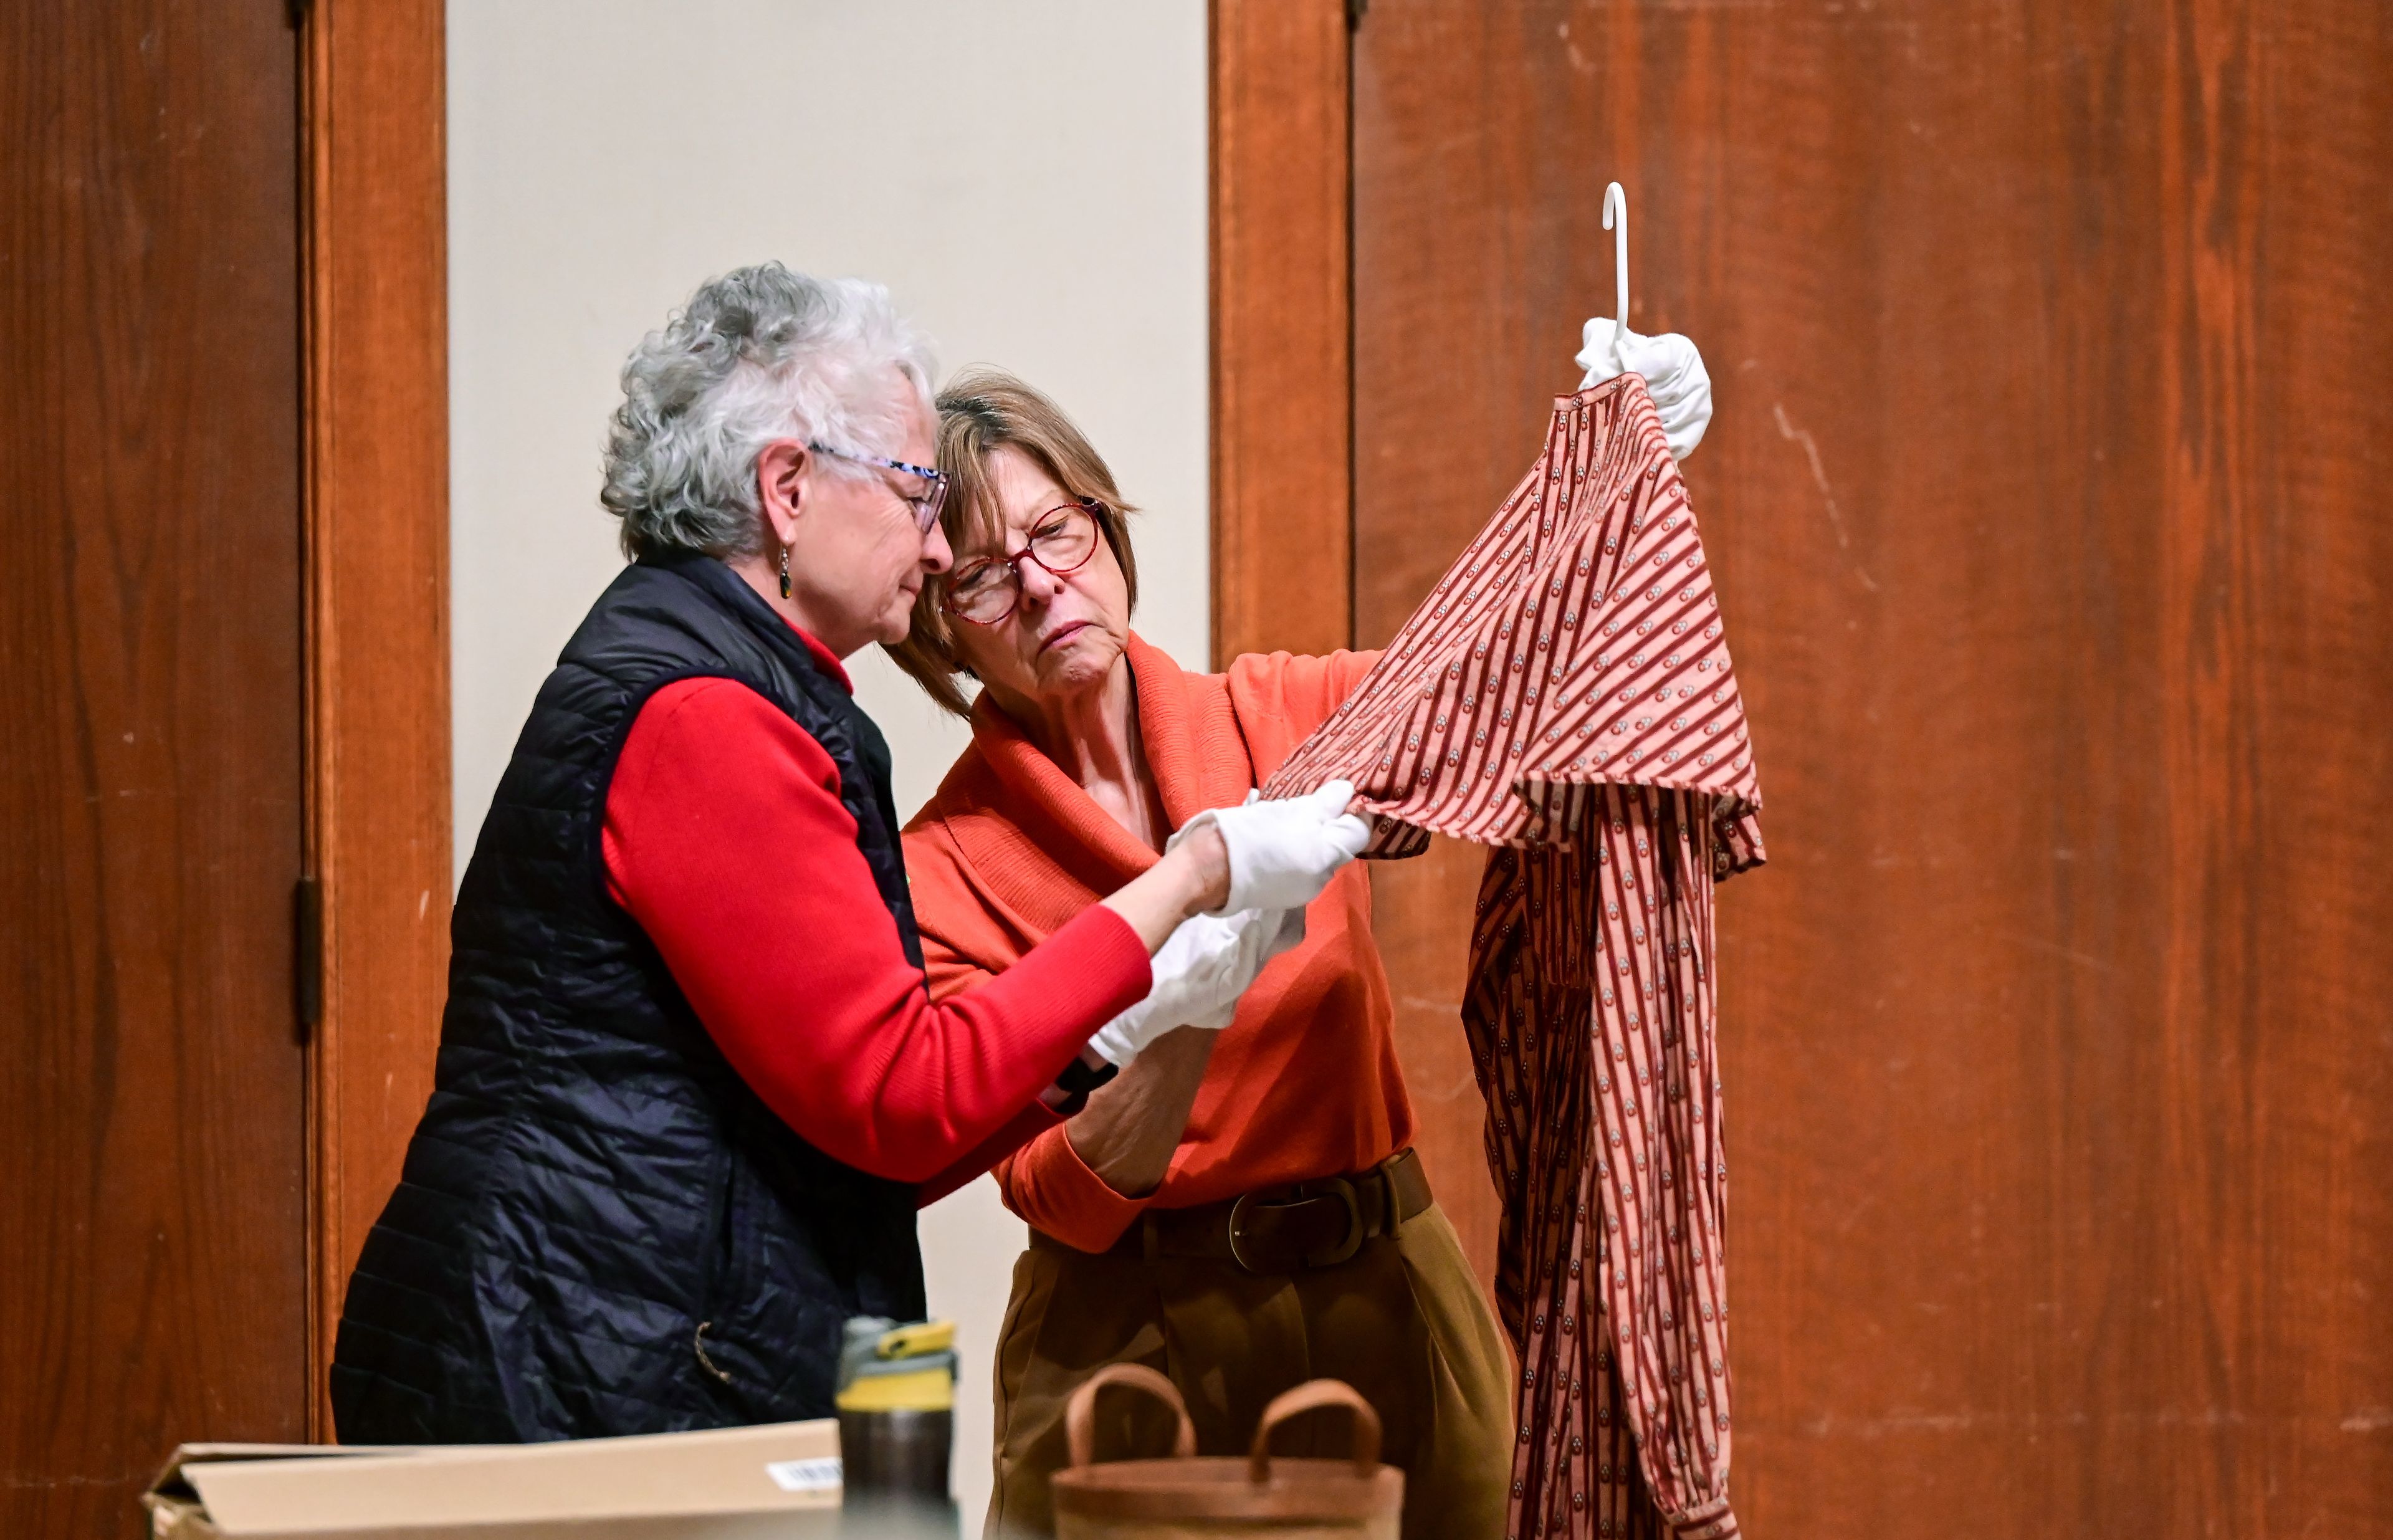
x: 805, y: 1475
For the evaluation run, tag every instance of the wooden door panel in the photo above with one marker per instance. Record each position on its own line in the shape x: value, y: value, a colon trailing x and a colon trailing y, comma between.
x: 2050, y: 366
x: 154, y: 1286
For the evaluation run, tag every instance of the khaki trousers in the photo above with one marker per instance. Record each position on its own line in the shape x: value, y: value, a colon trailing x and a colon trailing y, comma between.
x: 1403, y: 1321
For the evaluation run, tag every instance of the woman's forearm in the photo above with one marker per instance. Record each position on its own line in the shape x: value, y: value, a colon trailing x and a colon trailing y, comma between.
x: 1190, y: 880
x: 1127, y: 1132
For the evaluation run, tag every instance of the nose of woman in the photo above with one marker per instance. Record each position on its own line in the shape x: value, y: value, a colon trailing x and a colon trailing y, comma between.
x: 1038, y: 586
x: 937, y: 555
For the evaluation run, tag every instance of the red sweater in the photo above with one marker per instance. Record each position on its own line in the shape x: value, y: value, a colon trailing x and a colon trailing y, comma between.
x: 726, y: 841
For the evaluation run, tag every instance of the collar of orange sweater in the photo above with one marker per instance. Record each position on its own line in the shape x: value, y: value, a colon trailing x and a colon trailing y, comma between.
x: 1186, y: 729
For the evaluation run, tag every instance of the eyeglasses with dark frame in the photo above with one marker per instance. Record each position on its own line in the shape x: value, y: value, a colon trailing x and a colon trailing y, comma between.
x: 1062, y: 539
x: 925, y: 504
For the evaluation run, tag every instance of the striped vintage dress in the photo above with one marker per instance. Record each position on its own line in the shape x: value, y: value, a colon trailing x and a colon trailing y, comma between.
x: 1564, y: 695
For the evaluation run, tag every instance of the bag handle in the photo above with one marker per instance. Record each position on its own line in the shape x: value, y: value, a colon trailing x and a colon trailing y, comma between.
x: 1311, y: 1396
x: 1081, y: 1412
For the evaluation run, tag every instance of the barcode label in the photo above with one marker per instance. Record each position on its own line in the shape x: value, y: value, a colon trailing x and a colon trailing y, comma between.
x: 821, y: 1475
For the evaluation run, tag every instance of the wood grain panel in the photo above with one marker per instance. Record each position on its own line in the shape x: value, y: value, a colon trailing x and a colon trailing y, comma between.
x: 2048, y: 358
x: 1280, y: 326
x: 378, y: 576
x: 1283, y: 529
x: 153, y: 1277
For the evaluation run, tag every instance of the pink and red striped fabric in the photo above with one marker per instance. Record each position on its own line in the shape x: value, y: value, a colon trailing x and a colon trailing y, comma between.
x: 1564, y: 693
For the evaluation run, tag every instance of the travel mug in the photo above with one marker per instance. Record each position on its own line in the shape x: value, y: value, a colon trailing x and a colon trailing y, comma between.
x: 896, y: 1429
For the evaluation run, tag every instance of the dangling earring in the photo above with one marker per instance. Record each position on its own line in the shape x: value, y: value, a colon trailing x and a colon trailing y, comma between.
x: 785, y: 572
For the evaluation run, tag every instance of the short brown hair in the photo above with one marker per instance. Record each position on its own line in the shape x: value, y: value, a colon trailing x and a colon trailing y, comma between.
x: 984, y: 410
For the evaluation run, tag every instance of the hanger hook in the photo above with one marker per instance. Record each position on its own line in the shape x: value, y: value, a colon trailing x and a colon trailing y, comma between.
x: 1616, y: 219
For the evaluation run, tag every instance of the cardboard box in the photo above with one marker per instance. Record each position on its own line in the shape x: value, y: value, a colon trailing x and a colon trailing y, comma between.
x: 734, y: 1484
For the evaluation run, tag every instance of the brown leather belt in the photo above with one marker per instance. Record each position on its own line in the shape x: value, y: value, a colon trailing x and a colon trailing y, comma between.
x: 1283, y: 1229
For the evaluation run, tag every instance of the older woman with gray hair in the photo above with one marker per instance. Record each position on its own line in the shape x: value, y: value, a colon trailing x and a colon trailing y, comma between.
x: 691, y: 1085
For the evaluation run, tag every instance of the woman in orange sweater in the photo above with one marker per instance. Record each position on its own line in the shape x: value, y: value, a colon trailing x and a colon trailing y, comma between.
x: 1239, y: 1210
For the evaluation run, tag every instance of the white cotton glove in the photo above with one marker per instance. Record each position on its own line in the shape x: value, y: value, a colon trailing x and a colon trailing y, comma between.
x: 1674, y: 373
x: 1200, y: 972
x: 1283, y: 854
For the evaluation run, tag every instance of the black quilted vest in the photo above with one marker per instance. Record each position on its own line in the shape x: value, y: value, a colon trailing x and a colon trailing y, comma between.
x: 600, y: 1229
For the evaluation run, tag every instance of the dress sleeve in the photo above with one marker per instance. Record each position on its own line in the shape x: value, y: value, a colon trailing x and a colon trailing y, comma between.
x: 727, y: 841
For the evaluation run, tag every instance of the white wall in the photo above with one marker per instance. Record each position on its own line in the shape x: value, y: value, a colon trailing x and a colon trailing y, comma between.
x: 1028, y: 177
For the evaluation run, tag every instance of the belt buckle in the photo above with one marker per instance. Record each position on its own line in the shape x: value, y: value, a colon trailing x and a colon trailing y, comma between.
x: 1338, y: 1186
x: 1353, y: 1241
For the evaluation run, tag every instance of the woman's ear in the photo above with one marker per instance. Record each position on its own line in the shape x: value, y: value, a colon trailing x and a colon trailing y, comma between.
x: 781, y: 469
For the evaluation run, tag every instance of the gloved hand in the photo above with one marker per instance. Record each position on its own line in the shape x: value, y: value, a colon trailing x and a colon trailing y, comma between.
x: 1674, y: 373
x: 1283, y: 854
x: 1199, y: 972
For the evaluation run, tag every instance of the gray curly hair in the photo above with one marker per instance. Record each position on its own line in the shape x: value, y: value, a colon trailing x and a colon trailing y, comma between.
x: 757, y: 354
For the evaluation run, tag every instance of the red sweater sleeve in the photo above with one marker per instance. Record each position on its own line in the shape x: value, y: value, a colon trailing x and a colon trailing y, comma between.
x: 726, y: 841
x: 1027, y: 1125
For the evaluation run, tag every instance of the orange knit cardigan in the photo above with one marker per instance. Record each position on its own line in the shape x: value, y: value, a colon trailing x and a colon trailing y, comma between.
x: 1305, y: 1083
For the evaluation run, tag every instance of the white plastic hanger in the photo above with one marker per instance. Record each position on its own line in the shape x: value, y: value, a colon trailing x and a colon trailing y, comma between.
x: 1616, y: 219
